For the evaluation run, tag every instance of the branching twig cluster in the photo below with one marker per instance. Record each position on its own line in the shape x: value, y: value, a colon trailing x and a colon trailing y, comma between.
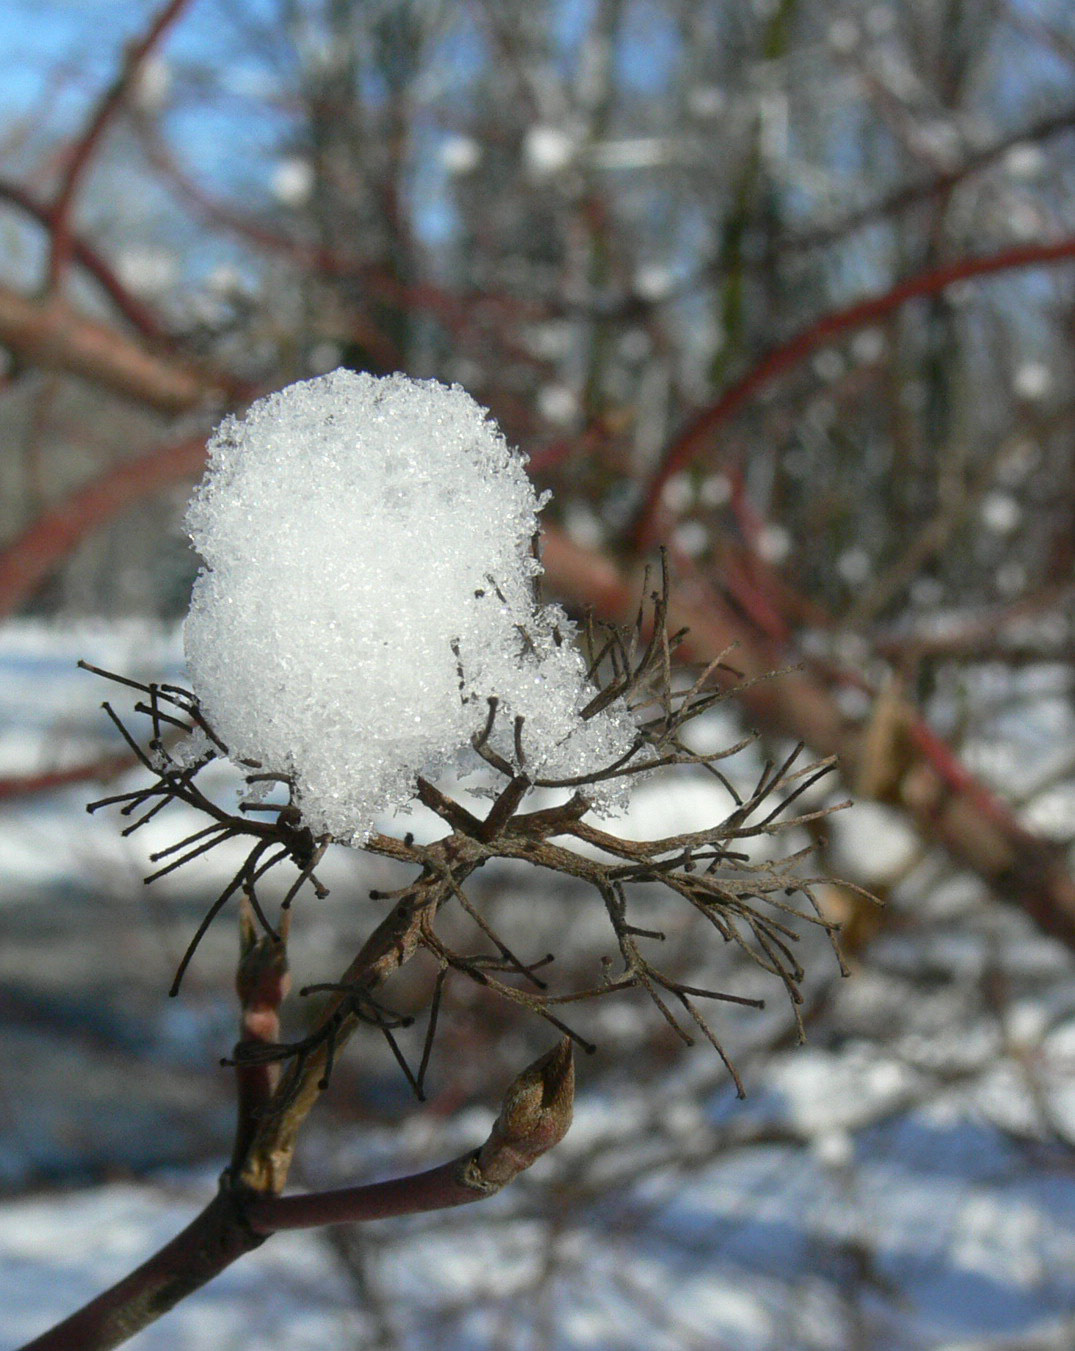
x: 754, y: 906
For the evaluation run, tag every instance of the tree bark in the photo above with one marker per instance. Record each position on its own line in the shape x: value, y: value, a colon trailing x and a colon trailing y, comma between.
x: 944, y: 801
x: 211, y: 1242
x: 55, y: 336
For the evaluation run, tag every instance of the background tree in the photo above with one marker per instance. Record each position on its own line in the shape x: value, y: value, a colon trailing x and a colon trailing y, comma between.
x: 785, y: 286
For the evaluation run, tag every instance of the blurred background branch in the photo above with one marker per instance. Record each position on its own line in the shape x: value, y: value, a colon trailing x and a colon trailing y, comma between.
x: 787, y: 287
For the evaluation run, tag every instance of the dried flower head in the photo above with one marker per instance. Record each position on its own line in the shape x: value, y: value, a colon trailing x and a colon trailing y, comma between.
x: 618, y: 707
x: 369, y: 586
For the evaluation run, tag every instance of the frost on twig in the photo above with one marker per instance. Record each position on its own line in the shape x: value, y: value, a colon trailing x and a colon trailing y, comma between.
x: 347, y: 705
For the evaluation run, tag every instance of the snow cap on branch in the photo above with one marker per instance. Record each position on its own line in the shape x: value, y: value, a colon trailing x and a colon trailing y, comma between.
x: 368, y: 588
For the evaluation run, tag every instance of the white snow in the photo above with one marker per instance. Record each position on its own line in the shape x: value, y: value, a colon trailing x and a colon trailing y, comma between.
x: 854, y: 565
x: 57, y: 1251
x: 707, y: 100
x: 150, y: 271
x: 1000, y: 513
x: 548, y: 149
x: 558, y: 403
x: 691, y: 538
x: 844, y: 36
x: 900, y: 1151
x: 1033, y: 380
x: 368, y: 590
x: 868, y: 346
x: 715, y: 490
x: 460, y: 154
x: 1024, y: 160
x: 773, y: 543
x: 293, y: 181
x: 653, y: 281
x: 152, y: 84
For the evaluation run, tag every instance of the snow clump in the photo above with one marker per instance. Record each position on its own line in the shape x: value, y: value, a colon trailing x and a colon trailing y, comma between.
x: 368, y: 587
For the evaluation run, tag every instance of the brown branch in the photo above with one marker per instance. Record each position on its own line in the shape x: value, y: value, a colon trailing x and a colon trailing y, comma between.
x: 535, y: 1116
x: 536, y: 1111
x: 33, y: 554
x: 913, y: 194
x: 945, y: 801
x: 460, y: 314
x: 87, y: 144
x: 262, y: 983
x: 134, y: 310
x: 54, y: 335
x: 993, y: 844
x: 211, y: 1242
x: 390, y: 946
x: 700, y: 430
x: 47, y: 780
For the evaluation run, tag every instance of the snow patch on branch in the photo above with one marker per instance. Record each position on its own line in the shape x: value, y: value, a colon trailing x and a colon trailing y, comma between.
x: 368, y: 588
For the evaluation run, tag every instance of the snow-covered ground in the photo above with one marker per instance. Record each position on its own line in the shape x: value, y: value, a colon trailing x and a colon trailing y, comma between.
x: 58, y: 1251
x: 906, y: 1181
